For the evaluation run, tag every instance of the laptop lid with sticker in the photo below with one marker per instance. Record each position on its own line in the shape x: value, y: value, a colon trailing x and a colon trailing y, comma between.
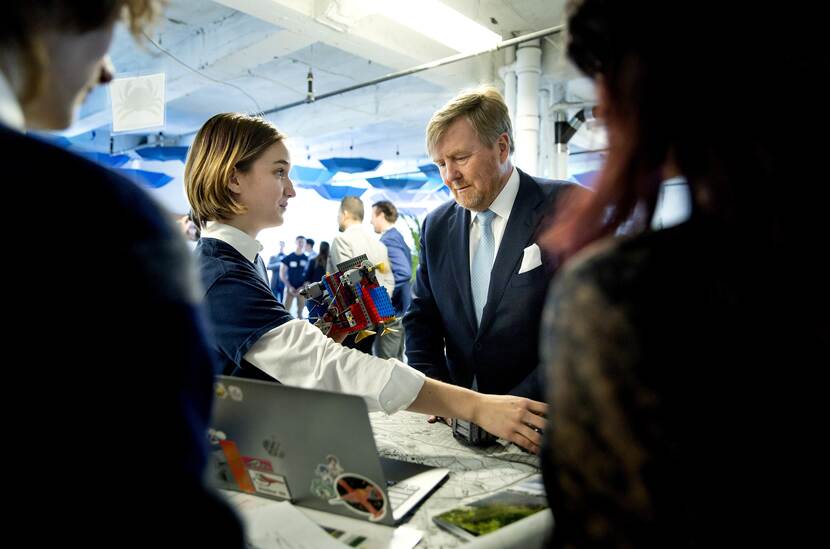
x: 314, y: 448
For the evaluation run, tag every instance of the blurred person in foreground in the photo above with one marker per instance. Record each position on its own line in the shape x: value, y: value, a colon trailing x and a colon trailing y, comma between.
x: 678, y: 359
x: 113, y: 376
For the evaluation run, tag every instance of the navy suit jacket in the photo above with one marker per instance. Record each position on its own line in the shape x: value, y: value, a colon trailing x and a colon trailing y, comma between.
x: 502, y: 353
x: 400, y: 257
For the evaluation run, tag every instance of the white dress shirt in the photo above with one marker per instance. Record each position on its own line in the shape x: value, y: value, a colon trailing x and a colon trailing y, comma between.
x: 354, y: 241
x: 501, y: 206
x: 298, y: 354
x: 241, y: 242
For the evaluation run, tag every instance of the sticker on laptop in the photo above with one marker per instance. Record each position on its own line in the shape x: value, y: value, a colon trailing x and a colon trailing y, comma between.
x: 258, y: 464
x: 272, y: 446
x: 326, y: 473
x: 237, y: 466
x: 270, y: 484
x: 235, y: 392
x: 356, y: 492
x: 215, y: 437
x: 220, y: 391
x: 361, y: 495
x: 220, y: 468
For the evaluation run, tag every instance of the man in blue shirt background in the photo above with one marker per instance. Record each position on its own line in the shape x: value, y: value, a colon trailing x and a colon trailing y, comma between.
x: 275, y: 266
x: 384, y: 216
x: 292, y: 273
x: 309, y: 249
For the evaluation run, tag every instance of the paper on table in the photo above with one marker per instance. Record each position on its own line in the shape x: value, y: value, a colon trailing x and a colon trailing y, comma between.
x: 282, y: 526
x: 372, y: 536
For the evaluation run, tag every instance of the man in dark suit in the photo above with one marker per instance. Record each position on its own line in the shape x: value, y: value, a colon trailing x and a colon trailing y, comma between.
x: 481, y: 281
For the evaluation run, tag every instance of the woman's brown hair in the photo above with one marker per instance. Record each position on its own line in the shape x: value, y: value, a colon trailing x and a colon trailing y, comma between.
x: 688, y: 83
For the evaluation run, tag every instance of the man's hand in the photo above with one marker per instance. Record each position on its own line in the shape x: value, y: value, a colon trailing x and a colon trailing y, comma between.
x: 517, y: 419
x: 439, y: 419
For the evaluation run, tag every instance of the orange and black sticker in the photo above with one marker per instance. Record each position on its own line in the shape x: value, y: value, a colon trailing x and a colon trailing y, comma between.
x: 361, y: 495
x: 237, y: 466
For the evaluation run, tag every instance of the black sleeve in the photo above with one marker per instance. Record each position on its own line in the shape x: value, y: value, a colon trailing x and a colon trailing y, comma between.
x: 596, y: 461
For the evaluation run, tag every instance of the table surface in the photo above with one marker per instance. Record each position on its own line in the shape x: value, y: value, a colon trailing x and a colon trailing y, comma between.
x: 474, y: 472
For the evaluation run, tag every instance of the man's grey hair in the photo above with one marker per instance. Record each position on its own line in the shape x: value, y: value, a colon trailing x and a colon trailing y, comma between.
x: 486, y: 110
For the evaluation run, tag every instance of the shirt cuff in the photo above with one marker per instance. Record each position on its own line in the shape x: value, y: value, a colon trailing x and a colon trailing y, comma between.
x: 401, y: 388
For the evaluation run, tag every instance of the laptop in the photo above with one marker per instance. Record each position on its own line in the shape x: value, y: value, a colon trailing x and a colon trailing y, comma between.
x: 313, y: 448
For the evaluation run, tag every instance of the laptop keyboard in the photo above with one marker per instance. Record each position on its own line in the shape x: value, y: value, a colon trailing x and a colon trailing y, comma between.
x: 400, y: 492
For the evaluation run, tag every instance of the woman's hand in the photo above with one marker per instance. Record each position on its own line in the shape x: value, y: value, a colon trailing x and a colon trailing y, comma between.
x: 517, y: 419
x: 337, y: 335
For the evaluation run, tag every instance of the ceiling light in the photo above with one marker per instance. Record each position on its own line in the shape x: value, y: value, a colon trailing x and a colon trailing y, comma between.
x: 440, y: 23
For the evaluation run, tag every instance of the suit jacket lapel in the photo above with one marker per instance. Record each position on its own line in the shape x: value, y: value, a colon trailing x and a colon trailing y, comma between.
x: 459, y: 228
x: 520, y: 228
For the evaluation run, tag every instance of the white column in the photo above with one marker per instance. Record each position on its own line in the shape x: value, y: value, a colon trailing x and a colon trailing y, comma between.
x: 545, y: 134
x: 528, y: 73
x: 509, y: 77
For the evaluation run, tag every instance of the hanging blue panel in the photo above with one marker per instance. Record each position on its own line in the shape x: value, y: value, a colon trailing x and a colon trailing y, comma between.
x: 148, y: 179
x: 337, y: 192
x: 431, y: 171
x: 586, y: 179
x: 413, y: 210
x: 163, y: 153
x: 112, y: 161
x: 56, y: 140
x: 397, y: 183
x: 429, y: 188
x: 350, y: 165
x: 303, y: 176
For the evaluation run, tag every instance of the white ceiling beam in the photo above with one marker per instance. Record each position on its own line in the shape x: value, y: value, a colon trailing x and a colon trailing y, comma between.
x: 373, y: 37
x: 316, y: 121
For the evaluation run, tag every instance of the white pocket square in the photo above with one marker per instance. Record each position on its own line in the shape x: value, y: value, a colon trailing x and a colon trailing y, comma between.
x: 531, y: 258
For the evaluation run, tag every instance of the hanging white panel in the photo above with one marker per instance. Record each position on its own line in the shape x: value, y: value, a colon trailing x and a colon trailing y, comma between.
x: 137, y: 102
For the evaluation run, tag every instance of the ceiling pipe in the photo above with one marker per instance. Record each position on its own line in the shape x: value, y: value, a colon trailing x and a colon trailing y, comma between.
x: 565, y: 130
x: 570, y: 106
x: 421, y: 68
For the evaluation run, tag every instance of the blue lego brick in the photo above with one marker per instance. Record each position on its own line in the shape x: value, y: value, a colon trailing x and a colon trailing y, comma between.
x: 382, y: 301
x: 328, y: 288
